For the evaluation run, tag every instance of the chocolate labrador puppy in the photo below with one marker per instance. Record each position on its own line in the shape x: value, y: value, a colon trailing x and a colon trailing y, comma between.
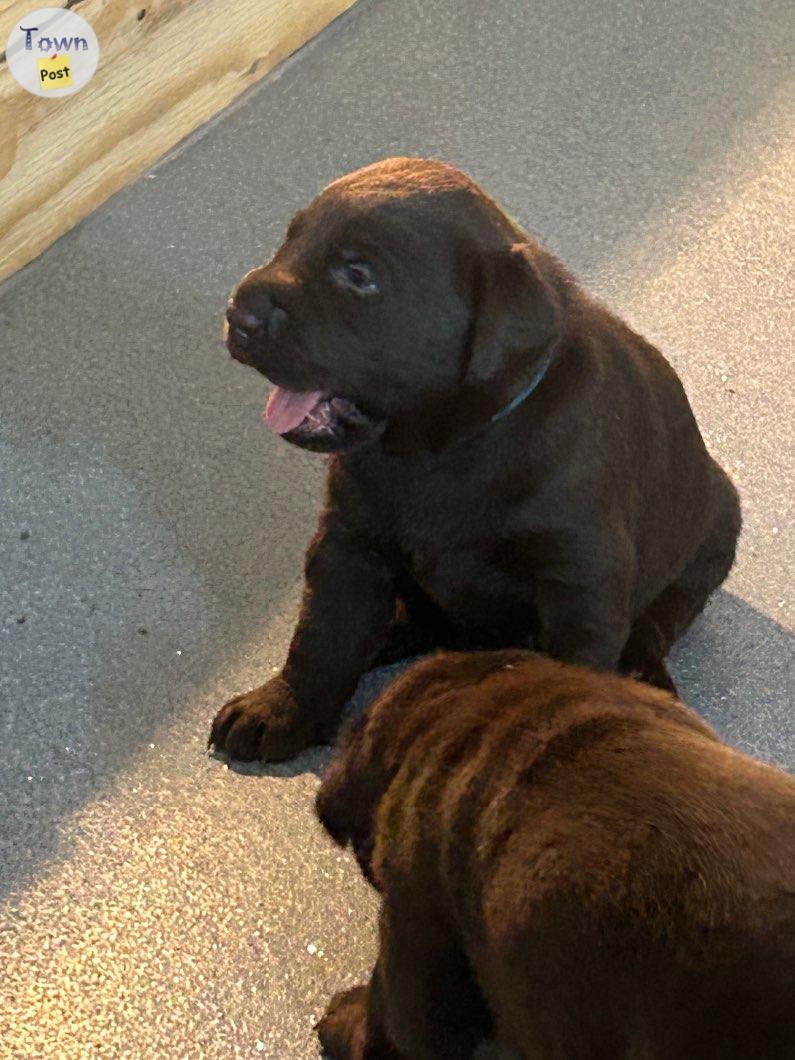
x: 570, y: 863
x: 511, y: 465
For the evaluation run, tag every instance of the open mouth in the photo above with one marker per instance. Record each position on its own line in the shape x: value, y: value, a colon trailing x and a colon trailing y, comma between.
x: 319, y: 421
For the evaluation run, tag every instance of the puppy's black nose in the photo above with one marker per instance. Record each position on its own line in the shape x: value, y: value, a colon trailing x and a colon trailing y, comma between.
x: 252, y: 316
x: 244, y: 326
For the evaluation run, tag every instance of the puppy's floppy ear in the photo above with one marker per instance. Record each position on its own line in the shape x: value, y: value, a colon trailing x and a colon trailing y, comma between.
x: 351, y: 787
x: 336, y: 802
x: 516, y: 320
x: 329, y: 806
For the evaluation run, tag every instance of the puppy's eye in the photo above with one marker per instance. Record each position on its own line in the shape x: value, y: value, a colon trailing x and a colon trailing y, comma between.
x: 356, y: 276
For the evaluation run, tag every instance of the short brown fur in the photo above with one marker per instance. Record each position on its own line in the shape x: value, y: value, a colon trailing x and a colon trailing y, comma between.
x: 570, y: 862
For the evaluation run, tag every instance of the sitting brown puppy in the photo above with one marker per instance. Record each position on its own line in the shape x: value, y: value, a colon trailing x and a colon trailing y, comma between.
x: 512, y: 465
x: 571, y: 863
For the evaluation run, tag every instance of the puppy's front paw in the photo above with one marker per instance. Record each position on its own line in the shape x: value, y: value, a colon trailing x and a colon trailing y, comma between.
x: 342, y: 1029
x: 265, y: 724
x: 654, y: 672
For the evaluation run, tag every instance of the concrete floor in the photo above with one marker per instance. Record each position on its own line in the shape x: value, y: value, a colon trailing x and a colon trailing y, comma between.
x: 153, y: 903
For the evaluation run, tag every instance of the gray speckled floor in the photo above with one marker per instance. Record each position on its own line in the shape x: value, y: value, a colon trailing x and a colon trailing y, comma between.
x: 152, y: 903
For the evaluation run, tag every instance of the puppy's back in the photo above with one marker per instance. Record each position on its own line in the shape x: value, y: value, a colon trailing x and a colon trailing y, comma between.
x: 620, y: 876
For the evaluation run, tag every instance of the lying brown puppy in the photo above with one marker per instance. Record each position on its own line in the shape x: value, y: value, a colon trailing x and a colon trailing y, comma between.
x: 570, y: 862
x: 513, y: 466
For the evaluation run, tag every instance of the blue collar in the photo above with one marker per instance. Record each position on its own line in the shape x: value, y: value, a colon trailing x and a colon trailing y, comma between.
x: 525, y: 392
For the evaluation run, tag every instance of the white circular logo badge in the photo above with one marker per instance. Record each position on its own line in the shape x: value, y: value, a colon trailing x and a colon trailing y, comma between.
x: 52, y: 52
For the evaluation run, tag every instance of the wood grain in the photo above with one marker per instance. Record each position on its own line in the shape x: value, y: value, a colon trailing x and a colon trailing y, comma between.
x: 159, y: 77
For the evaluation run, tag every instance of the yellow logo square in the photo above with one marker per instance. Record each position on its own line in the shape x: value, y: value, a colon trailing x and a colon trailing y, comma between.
x: 55, y: 72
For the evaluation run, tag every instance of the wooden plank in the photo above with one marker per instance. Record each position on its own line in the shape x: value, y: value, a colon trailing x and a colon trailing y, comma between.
x: 160, y: 76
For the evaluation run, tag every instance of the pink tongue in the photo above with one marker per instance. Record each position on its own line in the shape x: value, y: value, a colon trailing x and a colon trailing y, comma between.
x: 287, y: 408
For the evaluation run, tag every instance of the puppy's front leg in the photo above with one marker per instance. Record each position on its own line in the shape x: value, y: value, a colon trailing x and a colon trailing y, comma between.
x: 348, y: 604
x: 585, y: 624
x: 423, y: 992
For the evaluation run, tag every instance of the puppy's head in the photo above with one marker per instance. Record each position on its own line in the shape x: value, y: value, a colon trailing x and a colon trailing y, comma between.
x: 403, y: 303
x: 418, y: 715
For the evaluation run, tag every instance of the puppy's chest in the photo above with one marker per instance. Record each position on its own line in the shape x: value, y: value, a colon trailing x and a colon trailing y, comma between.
x: 451, y: 539
x: 429, y: 515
